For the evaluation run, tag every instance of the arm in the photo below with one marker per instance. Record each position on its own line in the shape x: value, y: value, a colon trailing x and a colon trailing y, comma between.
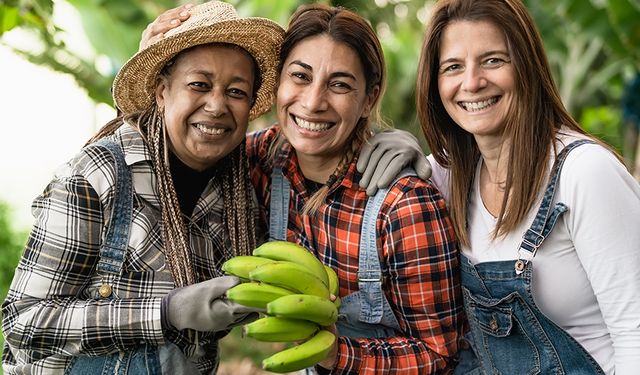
x: 423, y: 287
x: 42, y: 311
x: 604, y: 222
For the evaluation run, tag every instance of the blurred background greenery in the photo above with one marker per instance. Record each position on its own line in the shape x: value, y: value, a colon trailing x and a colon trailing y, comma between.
x: 593, y: 47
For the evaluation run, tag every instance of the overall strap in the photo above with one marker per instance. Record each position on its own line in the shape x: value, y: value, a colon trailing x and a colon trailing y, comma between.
x: 114, y: 245
x: 369, y: 270
x: 279, y: 206
x: 544, y: 221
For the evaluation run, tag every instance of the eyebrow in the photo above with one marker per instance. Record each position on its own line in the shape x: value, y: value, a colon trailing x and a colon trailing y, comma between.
x: 483, y: 55
x: 333, y: 75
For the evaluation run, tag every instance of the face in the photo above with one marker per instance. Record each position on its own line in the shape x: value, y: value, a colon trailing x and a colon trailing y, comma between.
x: 475, y: 77
x: 321, y: 97
x: 206, y: 100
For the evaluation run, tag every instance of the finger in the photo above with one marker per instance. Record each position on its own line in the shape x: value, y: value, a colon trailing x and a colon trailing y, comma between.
x: 371, y: 167
x: 363, y: 158
x: 166, y: 21
x: 225, y: 282
x: 391, y: 172
x: 422, y: 167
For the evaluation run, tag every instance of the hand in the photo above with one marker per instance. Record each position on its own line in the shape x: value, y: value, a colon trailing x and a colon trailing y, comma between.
x: 332, y: 358
x: 165, y: 22
x: 385, y: 155
x: 203, y: 307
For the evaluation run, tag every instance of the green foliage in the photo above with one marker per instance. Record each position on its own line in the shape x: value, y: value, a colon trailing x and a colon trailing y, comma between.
x: 11, y: 243
x: 604, y: 122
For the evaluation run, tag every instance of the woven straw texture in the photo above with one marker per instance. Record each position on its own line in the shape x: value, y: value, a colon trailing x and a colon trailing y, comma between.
x: 211, y: 22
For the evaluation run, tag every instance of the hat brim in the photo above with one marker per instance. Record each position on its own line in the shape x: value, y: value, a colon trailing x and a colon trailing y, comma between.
x: 134, y: 85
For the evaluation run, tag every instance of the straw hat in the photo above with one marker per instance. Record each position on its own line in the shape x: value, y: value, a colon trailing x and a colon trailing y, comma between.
x: 214, y: 21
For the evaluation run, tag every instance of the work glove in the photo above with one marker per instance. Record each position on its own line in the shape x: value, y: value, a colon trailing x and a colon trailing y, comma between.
x: 203, y: 306
x: 385, y: 155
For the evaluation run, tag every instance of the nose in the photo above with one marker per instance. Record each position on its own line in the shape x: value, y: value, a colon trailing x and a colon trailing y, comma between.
x: 473, y: 79
x: 216, y: 103
x: 314, y: 98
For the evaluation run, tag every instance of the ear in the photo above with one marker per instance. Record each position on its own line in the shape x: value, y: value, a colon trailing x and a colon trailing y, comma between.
x: 162, y: 85
x: 370, y: 101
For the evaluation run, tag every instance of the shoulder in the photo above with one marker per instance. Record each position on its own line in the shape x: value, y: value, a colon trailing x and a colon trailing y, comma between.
x: 263, y: 136
x: 591, y: 165
x: 415, y: 194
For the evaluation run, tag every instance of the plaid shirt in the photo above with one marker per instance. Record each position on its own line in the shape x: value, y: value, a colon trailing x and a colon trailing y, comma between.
x: 49, y: 315
x: 418, y: 252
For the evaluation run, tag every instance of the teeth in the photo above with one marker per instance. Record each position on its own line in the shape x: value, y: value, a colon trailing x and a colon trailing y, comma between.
x: 212, y: 131
x: 313, y: 126
x: 477, y: 106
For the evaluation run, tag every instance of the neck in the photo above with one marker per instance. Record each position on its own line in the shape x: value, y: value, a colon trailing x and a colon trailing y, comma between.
x: 317, y: 168
x: 495, y: 153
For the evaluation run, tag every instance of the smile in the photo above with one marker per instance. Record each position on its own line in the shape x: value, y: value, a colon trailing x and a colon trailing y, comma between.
x: 210, y: 130
x: 311, y: 126
x: 480, y: 105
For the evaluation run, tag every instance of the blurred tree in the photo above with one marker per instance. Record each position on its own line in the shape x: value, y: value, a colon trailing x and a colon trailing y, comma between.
x: 593, y: 45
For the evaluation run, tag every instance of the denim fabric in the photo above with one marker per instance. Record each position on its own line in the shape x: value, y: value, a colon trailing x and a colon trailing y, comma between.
x: 509, y: 333
x: 365, y: 313
x: 143, y: 360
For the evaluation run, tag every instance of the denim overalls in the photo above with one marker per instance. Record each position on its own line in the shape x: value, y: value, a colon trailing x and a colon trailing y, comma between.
x: 508, y: 332
x: 365, y: 313
x: 143, y: 360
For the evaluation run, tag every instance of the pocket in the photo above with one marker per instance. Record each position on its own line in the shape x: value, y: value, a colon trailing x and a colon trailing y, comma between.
x: 501, y: 342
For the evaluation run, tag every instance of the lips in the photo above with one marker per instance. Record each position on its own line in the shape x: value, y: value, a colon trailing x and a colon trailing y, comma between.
x: 479, y: 105
x: 210, y: 129
x: 312, y: 126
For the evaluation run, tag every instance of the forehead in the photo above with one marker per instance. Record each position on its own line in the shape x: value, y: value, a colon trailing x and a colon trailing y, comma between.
x: 326, y: 53
x: 464, y: 37
x: 229, y: 57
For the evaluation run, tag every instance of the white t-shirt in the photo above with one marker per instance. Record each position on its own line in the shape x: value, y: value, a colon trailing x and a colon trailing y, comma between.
x: 586, y: 275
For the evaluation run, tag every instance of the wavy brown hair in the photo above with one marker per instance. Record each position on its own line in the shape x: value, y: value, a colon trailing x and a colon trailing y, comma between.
x: 532, y: 123
x: 350, y: 29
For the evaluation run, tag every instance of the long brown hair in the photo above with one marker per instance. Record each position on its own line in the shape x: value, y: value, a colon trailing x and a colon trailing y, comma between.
x: 234, y: 180
x: 535, y: 116
x: 349, y: 28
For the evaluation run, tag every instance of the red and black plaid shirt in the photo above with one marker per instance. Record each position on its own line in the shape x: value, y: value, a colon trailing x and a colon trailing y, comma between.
x: 416, y: 246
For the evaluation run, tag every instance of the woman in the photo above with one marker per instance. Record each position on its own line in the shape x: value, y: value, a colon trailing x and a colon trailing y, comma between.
x: 550, y: 250
x: 405, y: 315
x: 159, y: 200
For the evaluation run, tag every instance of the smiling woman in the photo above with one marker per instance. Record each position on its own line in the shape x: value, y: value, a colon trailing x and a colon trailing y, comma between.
x: 130, y: 233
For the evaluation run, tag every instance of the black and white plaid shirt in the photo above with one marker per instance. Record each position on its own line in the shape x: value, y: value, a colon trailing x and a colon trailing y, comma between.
x: 49, y: 315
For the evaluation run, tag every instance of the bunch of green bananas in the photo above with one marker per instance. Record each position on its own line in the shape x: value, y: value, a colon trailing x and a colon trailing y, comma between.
x: 294, y: 288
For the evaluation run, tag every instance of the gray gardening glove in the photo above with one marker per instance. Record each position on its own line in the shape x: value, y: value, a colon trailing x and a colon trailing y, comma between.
x: 203, y: 306
x: 386, y: 154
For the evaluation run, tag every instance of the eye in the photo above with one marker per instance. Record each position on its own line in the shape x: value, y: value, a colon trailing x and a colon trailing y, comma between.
x: 237, y: 93
x: 299, y: 77
x: 340, y: 87
x: 494, y: 62
x: 450, y: 68
x: 199, y: 85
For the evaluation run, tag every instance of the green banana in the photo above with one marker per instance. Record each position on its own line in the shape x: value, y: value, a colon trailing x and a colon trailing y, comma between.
x: 304, y: 306
x: 292, y: 252
x: 274, y: 329
x: 243, y: 264
x: 334, y: 287
x: 301, y: 356
x: 291, y: 276
x: 256, y: 294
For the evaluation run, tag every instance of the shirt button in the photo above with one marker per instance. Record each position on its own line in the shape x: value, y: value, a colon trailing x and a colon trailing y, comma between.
x: 105, y: 290
x: 493, y: 324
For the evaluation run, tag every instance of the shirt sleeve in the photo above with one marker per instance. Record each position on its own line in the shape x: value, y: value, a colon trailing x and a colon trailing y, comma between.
x: 42, y: 313
x: 604, y: 222
x: 423, y: 288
